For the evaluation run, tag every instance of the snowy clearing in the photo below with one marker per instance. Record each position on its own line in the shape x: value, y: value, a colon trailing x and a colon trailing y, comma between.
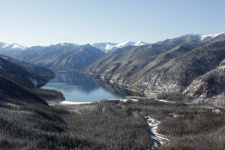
x: 165, y: 101
x: 122, y: 100
x: 73, y: 103
x: 157, y: 139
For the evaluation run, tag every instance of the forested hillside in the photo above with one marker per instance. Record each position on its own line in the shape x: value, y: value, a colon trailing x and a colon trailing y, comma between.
x: 167, y: 66
x: 32, y: 75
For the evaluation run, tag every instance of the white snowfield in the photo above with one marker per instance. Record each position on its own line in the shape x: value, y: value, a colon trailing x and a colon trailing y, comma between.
x: 165, y: 101
x: 34, y: 81
x: 123, y: 100
x: 73, y: 103
x: 80, y: 103
x: 158, y: 139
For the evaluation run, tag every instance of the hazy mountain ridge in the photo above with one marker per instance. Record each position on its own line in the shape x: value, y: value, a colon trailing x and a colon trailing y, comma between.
x: 10, y: 49
x: 61, y: 57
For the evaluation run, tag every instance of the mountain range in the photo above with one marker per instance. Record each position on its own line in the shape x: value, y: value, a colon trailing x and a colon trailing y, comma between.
x: 191, y: 64
x: 173, y: 65
x: 62, y: 57
x: 12, y: 49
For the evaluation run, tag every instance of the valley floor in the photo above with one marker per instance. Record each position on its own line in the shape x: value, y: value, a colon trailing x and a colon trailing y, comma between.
x: 157, y: 139
x: 110, y: 124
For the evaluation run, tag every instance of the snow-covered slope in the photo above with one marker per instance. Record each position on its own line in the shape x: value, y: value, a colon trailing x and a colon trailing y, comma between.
x: 12, y: 46
x: 202, y: 38
x: 108, y: 47
x: 211, y: 36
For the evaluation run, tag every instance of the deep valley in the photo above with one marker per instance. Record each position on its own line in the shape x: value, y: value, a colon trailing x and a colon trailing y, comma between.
x: 186, y: 75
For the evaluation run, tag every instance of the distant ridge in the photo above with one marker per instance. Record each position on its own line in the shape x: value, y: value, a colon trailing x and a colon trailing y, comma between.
x: 62, y: 56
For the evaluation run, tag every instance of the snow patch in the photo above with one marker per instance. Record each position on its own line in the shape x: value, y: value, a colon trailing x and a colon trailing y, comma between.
x: 139, y: 44
x: 6, y: 45
x: 80, y: 103
x: 123, y: 100
x: 108, y: 47
x: 74, y: 103
x: 2, y: 68
x: 124, y: 44
x: 16, y: 46
x: 165, y: 101
x: 34, y: 81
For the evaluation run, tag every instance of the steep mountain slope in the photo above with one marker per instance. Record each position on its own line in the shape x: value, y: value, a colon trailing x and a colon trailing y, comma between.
x: 108, y: 47
x: 210, y: 84
x: 125, y: 62
x: 167, y: 66
x: 31, y: 75
x: 164, y: 58
x: 178, y: 73
x: 11, y: 86
x: 18, y: 81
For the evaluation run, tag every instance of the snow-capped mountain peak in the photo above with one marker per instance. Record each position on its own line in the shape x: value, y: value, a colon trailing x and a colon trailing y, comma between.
x: 125, y: 44
x: 17, y: 46
x: 5, y: 45
x: 140, y: 43
x: 12, y: 46
x: 210, y: 35
x: 107, y: 47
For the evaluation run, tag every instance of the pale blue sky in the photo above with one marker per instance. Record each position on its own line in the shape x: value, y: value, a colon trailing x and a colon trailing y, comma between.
x: 45, y: 22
